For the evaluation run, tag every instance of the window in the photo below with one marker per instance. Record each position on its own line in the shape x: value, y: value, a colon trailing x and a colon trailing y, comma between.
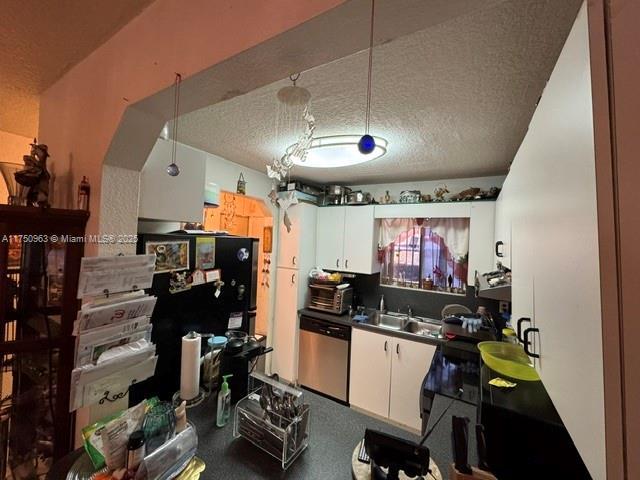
x: 428, y: 254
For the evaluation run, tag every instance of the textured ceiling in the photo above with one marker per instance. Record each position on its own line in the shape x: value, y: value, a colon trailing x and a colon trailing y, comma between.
x: 454, y: 99
x: 41, y: 39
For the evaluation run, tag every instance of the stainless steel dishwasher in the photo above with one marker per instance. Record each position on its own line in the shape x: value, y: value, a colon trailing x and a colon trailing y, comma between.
x: 323, y: 358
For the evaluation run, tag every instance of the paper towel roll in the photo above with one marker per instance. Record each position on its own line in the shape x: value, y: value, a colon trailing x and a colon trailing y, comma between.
x: 190, y: 366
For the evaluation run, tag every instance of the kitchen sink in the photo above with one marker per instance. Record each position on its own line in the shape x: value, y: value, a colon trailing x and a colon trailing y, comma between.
x: 392, y: 322
x: 404, y: 323
x: 423, y: 328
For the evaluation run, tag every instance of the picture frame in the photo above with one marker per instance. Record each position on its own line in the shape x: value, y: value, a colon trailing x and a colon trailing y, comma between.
x: 267, y: 239
x: 205, y: 252
x: 171, y: 256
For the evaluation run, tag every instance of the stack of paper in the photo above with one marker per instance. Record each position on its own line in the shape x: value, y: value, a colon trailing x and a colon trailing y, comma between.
x: 113, y: 332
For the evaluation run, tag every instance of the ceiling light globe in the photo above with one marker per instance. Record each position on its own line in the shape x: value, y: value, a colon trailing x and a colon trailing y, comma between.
x: 367, y: 144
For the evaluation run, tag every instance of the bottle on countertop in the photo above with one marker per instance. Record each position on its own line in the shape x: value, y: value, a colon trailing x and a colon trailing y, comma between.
x: 224, y: 403
x: 381, y: 307
x: 135, y: 450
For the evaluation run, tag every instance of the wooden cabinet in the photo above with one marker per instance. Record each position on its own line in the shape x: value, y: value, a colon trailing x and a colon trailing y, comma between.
x: 330, y: 238
x: 297, y: 247
x: 386, y: 375
x: 38, y: 285
x: 370, y: 373
x: 348, y: 239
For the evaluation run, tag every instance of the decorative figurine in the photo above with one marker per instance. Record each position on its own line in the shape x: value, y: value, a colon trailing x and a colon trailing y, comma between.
x: 84, y: 193
x: 440, y: 192
x: 35, y: 175
x: 242, y: 185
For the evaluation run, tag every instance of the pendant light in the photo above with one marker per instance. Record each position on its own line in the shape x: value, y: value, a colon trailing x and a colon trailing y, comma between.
x: 173, y: 169
x: 367, y: 143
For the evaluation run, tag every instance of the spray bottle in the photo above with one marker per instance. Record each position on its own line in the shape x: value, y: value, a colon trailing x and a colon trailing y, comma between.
x: 224, y: 403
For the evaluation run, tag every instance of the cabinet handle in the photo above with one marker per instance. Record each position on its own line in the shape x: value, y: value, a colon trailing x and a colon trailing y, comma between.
x: 527, y: 342
x: 519, y: 328
x: 398, y: 349
x: 293, y: 260
x: 337, y: 263
x: 293, y: 278
x: 385, y: 345
x: 499, y: 252
x: 346, y: 264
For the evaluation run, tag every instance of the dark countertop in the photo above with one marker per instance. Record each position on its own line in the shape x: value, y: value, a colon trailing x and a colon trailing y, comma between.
x: 334, y: 431
x: 529, y: 399
x: 345, y: 319
x: 454, y: 368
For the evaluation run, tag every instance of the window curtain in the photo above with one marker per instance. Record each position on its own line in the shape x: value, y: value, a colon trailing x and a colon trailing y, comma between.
x: 454, y: 232
x: 390, y: 228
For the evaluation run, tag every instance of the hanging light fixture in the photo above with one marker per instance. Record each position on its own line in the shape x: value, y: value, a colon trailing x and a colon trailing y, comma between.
x: 293, y: 117
x: 367, y: 143
x: 173, y: 169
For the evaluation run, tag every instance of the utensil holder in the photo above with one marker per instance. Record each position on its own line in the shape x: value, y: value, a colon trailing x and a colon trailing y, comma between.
x: 282, y: 436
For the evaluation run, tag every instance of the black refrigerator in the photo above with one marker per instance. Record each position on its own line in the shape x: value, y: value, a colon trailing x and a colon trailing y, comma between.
x: 197, y: 309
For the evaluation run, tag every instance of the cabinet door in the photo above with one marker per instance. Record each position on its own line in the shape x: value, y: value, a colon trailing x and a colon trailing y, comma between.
x: 370, y: 373
x: 361, y: 240
x: 289, y: 241
x: 285, y: 328
x: 410, y: 364
x: 330, y: 238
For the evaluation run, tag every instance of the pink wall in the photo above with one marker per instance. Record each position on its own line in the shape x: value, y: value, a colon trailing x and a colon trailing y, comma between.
x: 80, y: 113
x: 12, y: 148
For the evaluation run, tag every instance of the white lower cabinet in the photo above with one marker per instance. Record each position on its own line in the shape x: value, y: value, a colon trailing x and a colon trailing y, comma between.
x: 370, y: 372
x: 386, y: 375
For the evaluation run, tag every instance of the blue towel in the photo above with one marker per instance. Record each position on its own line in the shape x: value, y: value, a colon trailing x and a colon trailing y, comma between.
x: 360, y: 318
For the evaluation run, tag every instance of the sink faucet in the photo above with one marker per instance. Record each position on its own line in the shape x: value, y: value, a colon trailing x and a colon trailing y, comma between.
x: 409, y: 311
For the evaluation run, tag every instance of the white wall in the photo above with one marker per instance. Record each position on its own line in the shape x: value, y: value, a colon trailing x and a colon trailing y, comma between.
x: 454, y: 185
x: 549, y: 199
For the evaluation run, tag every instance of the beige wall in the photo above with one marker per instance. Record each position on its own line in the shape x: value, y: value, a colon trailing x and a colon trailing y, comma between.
x: 12, y: 148
x: 80, y: 113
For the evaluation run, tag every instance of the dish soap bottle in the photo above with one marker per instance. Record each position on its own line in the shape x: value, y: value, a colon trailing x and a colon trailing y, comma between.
x: 224, y: 403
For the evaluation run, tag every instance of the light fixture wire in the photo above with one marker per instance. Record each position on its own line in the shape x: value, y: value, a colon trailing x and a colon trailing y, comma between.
x: 370, y: 72
x: 176, y: 112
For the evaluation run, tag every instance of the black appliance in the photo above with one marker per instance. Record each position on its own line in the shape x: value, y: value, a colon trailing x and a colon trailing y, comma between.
x: 198, y: 308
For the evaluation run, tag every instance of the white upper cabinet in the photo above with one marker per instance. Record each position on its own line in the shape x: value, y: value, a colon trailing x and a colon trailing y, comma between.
x: 178, y: 199
x: 481, y: 234
x: 550, y: 193
x: 347, y: 239
x: 297, y: 247
x: 330, y: 243
x: 361, y: 240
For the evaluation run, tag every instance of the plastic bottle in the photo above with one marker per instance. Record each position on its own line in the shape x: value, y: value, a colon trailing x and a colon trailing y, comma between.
x: 381, y: 308
x: 224, y: 403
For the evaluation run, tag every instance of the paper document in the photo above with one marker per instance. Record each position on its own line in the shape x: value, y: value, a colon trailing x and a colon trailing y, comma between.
x: 91, y: 317
x: 115, y: 274
x: 90, y: 382
x: 90, y: 345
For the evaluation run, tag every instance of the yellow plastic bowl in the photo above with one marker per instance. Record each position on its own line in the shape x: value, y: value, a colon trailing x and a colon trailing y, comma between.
x: 509, y: 360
